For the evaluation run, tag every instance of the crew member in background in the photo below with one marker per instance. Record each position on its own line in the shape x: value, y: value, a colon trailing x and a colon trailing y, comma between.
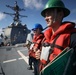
x: 60, y: 33
x: 37, y: 39
x: 29, y: 40
x: 28, y: 44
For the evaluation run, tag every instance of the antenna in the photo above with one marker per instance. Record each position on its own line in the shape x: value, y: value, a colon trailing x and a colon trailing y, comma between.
x: 16, y: 15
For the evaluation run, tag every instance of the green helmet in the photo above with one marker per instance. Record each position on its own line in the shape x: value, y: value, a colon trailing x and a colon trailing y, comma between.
x: 56, y: 4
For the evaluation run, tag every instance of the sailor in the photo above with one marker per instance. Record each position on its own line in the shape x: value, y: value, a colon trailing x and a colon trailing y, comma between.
x: 37, y: 39
x: 58, y: 35
x: 28, y: 45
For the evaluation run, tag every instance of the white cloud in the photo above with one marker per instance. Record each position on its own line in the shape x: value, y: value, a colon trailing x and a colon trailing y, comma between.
x: 74, y: 21
x: 2, y: 16
x: 0, y: 31
x: 74, y: 11
x: 33, y: 4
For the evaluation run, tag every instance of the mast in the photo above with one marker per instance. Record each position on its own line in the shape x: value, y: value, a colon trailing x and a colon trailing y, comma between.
x: 16, y: 15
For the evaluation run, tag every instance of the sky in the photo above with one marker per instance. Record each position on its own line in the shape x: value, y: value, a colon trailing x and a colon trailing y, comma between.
x: 33, y: 10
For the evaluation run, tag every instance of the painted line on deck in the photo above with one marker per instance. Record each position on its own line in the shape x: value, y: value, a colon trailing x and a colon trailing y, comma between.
x: 7, y: 61
x: 23, y: 56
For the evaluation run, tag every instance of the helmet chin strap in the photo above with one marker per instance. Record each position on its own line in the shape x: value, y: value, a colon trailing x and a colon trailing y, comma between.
x: 55, y: 15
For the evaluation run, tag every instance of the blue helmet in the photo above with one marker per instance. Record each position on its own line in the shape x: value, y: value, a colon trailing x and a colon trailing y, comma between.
x: 37, y: 25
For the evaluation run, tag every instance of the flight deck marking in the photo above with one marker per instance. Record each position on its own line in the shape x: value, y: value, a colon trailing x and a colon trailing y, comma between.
x: 23, y: 56
x: 7, y: 61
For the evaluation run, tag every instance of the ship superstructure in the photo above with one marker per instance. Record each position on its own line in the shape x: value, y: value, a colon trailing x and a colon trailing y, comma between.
x: 16, y: 32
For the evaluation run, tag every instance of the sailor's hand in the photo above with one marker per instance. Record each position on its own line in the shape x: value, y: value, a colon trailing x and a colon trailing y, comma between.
x: 35, y: 49
x: 37, y: 54
x: 25, y: 45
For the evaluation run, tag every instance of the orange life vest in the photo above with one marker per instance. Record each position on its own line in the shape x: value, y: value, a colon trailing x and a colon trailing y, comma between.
x: 37, y: 44
x: 63, y: 41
